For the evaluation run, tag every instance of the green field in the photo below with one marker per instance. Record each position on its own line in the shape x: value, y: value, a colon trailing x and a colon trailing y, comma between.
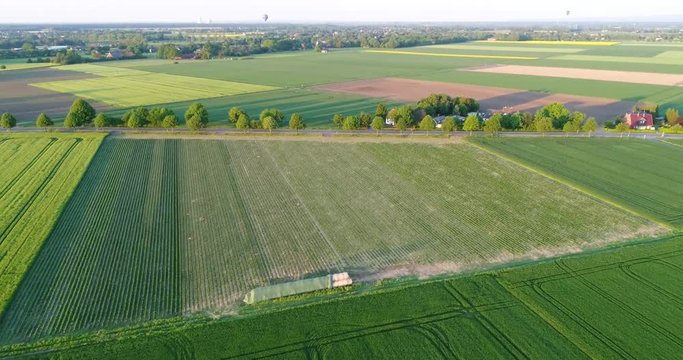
x: 160, y: 228
x: 22, y: 66
x: 124, y: 87
x: 623, y: 302
x: 39, y: 174
x: 641, y: 175
x: 316, y: 107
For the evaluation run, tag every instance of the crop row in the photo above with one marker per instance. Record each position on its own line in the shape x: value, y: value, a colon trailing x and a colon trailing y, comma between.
x: 40, y: 178
x: 169, y: 227
x: 641, y: 175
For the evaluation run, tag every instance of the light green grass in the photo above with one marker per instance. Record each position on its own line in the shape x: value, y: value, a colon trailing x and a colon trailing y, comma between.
x: 623, y: 59
x: 124, y: 87
x: 161, y: 228
x: 639, y: 174
x: 501, y: 49
x: 23, y: 66
x: 41, y: 172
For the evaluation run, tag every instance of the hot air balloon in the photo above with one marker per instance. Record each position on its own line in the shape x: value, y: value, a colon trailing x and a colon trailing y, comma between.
x: 265, y: 17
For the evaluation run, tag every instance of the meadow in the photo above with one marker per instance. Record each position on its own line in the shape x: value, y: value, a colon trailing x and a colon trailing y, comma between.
x: 622, y: 302
x: 640, y: 175
x: 40, y: 174
x: 124, y: 87
x: 162, y: 228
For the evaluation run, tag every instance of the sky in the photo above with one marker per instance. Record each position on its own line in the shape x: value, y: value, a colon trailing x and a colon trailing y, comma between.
x: 114, y: 11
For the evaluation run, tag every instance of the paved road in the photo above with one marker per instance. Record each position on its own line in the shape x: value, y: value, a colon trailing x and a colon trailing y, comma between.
x: 332, y: 132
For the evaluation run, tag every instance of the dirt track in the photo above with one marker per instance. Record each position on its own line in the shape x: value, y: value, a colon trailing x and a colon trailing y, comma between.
x: 586, y: 74
x: 490, y: 98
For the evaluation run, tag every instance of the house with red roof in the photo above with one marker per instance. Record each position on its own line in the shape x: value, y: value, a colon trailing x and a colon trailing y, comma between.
x: 639, y: 120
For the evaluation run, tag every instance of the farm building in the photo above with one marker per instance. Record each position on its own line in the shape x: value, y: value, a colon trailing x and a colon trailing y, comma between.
x: 639, y: 120
x: 115, y: 54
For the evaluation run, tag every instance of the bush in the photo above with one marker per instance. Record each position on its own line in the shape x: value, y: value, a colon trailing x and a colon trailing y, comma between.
x: 43, y: 120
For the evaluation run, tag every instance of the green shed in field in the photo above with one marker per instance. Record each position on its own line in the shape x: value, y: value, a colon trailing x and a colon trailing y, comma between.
x: 297, y: 287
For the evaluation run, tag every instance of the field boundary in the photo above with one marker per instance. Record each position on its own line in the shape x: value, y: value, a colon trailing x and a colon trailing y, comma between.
x: 575, y: 186
x: 465, y: 56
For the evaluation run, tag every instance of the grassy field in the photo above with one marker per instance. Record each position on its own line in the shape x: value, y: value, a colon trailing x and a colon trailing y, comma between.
x: 22, y: 66
x: 554, y: 43
x: 622, y: 302
x: 39, y: 175
x: 124, y: 87
x: 161, y: 228
x: 641, y: 175
x: 316, y: 107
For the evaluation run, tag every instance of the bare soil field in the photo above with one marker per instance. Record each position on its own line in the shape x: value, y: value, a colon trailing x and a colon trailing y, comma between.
x: 491, y: 98
x: 26, y: 102
x: 586, y: 74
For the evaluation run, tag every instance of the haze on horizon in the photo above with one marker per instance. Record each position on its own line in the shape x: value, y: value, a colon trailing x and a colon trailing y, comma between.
x: 128, y: 11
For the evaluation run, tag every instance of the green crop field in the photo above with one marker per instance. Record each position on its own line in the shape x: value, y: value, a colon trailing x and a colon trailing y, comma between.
x: 638, y: 174
x: 622, y: 302
x: 161, y: 228
x: 40, y: 172
x: 316, y: 107
x: 124, y: 87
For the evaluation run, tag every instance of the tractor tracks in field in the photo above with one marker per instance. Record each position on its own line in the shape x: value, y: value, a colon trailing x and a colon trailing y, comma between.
x: 57, y: 166
x: 26, y: 168
x: 426, y: 324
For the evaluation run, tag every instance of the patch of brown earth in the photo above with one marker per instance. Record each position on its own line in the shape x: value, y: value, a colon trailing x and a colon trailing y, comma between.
x: 493, y: 99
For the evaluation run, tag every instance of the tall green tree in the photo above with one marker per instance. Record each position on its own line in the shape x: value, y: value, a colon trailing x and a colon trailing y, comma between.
x: 136, y: 120
x: 138, y: 115
x: 471, y: 123
x: 157, y: 115
x: 365, y: 119
x: 622, y: 127
x: 170, y: 121
x: 543, y: 124
x: 672, y: 116
x: 590, y: 126
x: 8, y: 121
x: 402, y: 125
x: 427, y: 123
x: 199, y: 115
x: 296, y: 122
x: 448, y: 125
x: 269, y: 123
x: 81, y: 113
x: 234, y: 114
x: 377, y: 124
x: 44, y: 121
x: 405, y: 113
x: 338, y: 120
x: 276, y: 114
x: 557, y: 114
x: 381, y: 110
x: 242, y: 122
x: 101, y: 121
x: 492, y: 126
x: 351, y: 123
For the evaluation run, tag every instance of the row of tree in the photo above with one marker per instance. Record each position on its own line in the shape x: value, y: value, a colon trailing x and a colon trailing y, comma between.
x: 269, y: 119
x: 81, y: 113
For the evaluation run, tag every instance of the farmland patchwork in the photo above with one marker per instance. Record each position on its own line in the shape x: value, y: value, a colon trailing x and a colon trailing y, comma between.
x: 208, y: 220
x: 125, y: 87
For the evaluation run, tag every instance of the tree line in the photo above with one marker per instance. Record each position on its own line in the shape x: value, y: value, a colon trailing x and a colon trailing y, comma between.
x: 82, y: 114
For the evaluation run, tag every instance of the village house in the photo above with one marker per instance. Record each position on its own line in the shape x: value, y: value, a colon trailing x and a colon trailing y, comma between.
x: 115, y: 54
x: 639, y: 121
